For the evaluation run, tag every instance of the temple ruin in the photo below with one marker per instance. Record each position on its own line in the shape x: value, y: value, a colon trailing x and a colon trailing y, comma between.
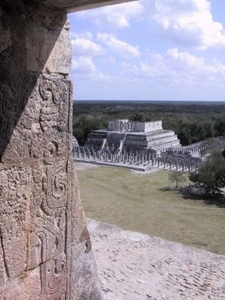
x: 128, y: 136
x: 45, y: 249
x: 143, y: 146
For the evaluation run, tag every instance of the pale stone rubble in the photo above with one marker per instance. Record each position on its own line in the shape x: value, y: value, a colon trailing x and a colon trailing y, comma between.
x: 135, y: 266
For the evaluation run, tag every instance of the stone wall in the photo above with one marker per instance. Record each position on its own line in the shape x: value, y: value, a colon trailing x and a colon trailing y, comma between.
x: 126, y: 125
x: 152, y: 126
x: 45, y: 250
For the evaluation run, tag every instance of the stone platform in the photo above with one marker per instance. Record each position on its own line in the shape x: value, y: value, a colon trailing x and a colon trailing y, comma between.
x: 126, y: 136
x: 135, y: 266
x: 140, y: 168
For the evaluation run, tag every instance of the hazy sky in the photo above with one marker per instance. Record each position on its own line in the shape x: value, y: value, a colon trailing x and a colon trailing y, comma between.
x: 150, y: 50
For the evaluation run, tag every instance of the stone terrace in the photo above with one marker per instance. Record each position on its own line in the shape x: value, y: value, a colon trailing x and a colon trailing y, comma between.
x: 135, y: 266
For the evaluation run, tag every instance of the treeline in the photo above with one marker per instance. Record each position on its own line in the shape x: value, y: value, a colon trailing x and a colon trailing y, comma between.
x: 191, y: 121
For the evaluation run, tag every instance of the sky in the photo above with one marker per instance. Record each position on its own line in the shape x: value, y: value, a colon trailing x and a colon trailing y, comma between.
x: 150, y: 50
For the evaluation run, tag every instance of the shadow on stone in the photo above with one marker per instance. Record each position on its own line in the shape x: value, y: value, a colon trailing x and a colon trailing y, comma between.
x: 27, y: 40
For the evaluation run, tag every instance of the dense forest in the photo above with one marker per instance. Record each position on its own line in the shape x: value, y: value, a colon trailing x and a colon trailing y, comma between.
x: 191, y: 121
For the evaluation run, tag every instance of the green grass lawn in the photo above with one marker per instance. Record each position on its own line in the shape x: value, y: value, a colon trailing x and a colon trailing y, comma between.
x: 145, y: 203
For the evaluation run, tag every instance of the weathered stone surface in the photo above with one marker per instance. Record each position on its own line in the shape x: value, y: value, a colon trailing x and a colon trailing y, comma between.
x: 75, y: 5
x: 37, y: 44
x: 136, y: 266
x: 45, y: 250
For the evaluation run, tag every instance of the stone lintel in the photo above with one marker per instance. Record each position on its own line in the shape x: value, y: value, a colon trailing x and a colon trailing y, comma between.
x: 77, y: 5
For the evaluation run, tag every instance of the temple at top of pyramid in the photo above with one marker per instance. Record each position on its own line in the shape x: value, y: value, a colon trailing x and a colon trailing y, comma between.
x: 130, y: 136
x: 126, y: 125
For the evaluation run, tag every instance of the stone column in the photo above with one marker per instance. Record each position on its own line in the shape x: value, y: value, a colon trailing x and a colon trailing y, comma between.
x: 44, y: 244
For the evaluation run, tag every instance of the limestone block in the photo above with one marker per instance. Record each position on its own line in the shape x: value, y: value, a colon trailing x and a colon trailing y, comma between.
x: 46, y: 36
x: 39, y: 43
x: 44, y: 243
x: 42, y: 125
x: 45, y: 249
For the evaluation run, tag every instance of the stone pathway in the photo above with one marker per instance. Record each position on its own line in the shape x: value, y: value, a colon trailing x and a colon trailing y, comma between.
x: 134, y: 266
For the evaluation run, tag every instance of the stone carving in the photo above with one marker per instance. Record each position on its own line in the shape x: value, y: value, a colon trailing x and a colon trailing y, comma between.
x: 43, y: 237
x: 15, y: 184
x: 45, y: 131
x: 53, y: 112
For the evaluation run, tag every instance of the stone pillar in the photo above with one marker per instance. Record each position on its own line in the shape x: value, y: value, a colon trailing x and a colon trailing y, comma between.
x: 44, y: 244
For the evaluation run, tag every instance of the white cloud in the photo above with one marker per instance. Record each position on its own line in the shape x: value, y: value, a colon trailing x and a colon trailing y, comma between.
x: 117, y: 16
x: 84, y: 34
x: 110, y: 60
x: 150, y: 63
x: 90, y: 78
x: 117, y: 46
x: 82, y: 46
x: 83, y: 69
x: 186, y: 59
x: 193, y: 64
x: 83, y: 65
x: 189, y: 22
x: 177, y: 68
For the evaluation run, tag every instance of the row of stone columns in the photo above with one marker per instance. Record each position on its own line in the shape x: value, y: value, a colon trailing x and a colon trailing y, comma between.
x: 185, y: 163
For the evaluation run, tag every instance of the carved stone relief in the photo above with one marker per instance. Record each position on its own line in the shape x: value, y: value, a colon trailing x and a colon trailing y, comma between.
x: 36, y: 192
x: 43, y: 236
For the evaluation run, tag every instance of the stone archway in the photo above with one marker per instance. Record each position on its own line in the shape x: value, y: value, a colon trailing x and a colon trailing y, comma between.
x: 44, y: 244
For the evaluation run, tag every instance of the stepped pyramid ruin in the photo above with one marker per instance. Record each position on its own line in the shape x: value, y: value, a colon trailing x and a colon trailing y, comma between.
x: 128, y: 136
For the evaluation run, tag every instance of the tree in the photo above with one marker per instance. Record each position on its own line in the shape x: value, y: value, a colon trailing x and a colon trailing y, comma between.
x: 220, y: 127
x: 212, y: 174
x: 185, y: 135
x: 177, y: 177
x: 84, y: 124
x: 138, y: 117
